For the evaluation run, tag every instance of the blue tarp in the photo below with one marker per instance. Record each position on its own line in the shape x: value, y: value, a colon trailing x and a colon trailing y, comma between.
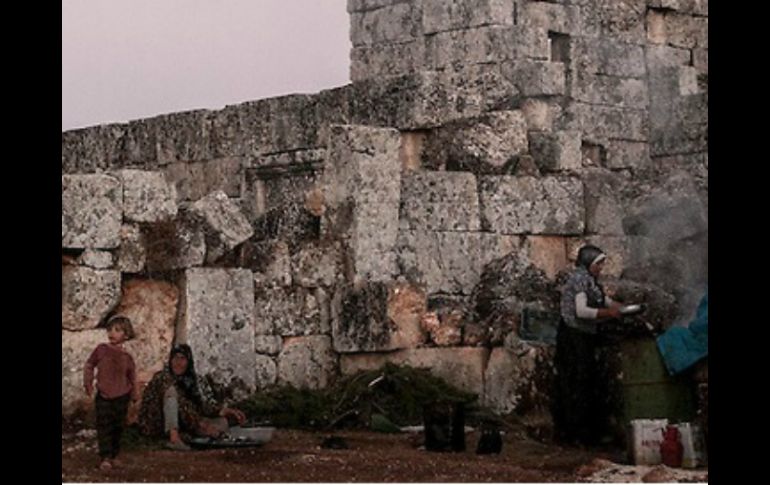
x: 682, y: 347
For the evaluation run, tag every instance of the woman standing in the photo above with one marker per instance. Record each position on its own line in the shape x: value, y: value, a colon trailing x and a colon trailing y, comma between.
x: 580, y: 412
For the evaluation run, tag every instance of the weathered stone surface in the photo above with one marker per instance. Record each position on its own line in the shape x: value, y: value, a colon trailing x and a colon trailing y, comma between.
x: 195, y: 180
x: 307, y: 362
x: 406, y: 307
x: 386, y: 59
x: 218, y: 322
x: 552, y: 17
x: 616, y: 91
x: 390, y: 24
x: 377, y: 317
x: 442, y: 15
x: 518, y: 205
x: 604, y: 203
x: 608, y: 122
x: 96, y: 259
x: 444, y: 334
x: 131, y: 255
x: 225, y: 225
x: 685, y: 31
x: 93, y: 149
x: 291, y: 311
x: 151, y: 306
x: 88, y: 295
x: 548, y: 253
x: 447, y: 262
x: 468, y: 46
x: 147, y: 196
x: 429, y: 99
x: 173, y: 245
x: 618, y: 21
x: 317, y: 263
x: 440, y: 201
x: 536, y: 77
x: 658, y: 56
x: 269, y: 260
x: 292, y: 123
x: 463, y: 367
x: 412, y: 143
x: 266, y: 371
x: 76, y: 347
x: 183, y: 136
x: 700, y: 59
x: 268, y: 344
x: 556, y: 152
x: 362, y: 188
x: 608, y: 57
x: 140, y: 147
x: 490, y: 143
x: 275, y: 198
x: 92, y: 211
x: 627, y: 154
x: 539, y: 114
x: 518, y: 379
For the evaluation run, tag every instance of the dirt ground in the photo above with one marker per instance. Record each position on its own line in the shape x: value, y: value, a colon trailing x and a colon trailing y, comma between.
x: 296, y: 456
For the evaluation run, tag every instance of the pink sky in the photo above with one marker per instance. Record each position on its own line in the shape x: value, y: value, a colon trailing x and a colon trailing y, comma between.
x: 129, y: 59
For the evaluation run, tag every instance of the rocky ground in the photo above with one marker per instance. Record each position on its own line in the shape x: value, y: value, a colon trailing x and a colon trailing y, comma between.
x: 297, y: 456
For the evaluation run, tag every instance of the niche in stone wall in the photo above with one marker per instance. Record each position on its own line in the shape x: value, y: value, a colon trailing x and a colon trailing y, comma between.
x: 560, y: 47
x: 594, y: 155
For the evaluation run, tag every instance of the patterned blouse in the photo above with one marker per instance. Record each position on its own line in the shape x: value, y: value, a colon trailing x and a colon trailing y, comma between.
x: 581, y: 281
x: 151, y: 412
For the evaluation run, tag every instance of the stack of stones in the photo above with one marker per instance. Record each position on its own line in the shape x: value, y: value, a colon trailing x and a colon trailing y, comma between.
x: 410, y: 216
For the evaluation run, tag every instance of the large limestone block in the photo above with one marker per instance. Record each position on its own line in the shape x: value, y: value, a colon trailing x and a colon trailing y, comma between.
x: 88, y: 295
x: 479, y: 45
x: 225, y: 224
x: 518, y: 377
x: 608, y: 57
x: 76, y: 347
x: 96, y: 259
x: 172, y: 245
x: 151, y: 305
x: 518, y: 205
x: 615, y: 91
x: 618, y: 21
x: 463, y: 367
x: 362, y: 191
x: 270, y: 261
x: 217, y: 321
x: 266, y: 371
x: 553, y: 17
x: 443, y: 15
x: 490, y: 143
x: 131, y: 255
x: 447, y: 262
x: 608, y: 122
x: 604, y: 201
x: 183, y: 137
x: 317, y: 264
x: 440, y: 201
x: 307, y: 362
x: 92, y: 211
x: 194, y: 180
x: 536, y: 77
x: 556, y: 152
x: 147, y: 196
x: 390, y: 24
x: 377, y: 317
x: 371, y: 61
x: 291, y: 311
x: 93, y: 149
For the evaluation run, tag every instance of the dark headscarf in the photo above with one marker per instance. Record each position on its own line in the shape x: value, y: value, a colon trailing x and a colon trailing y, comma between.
x: 187, y: 382
x: 587, y: 255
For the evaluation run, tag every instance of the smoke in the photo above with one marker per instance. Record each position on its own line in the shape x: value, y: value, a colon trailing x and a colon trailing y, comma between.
x: 669, y: 229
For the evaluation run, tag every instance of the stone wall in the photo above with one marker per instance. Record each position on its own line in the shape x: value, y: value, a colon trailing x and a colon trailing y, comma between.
x: 414, y: 215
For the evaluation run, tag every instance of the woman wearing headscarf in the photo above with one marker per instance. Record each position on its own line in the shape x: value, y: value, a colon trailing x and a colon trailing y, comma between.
x: 580, y: 413
x: 173, y: 405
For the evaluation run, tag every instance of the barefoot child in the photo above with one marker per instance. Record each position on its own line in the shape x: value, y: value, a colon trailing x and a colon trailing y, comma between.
x: 115, y: 385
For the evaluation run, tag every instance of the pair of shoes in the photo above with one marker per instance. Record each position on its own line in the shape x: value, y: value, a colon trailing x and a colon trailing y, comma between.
x: 177, y: 446
x: 105, y: 465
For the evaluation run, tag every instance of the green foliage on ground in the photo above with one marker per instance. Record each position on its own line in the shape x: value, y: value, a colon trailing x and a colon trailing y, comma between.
x: 395, y: 394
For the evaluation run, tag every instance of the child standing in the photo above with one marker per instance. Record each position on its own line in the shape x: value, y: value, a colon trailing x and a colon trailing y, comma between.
x: 115, y: 385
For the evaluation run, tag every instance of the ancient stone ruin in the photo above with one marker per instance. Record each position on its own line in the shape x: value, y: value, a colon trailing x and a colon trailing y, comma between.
x: 418, y: 215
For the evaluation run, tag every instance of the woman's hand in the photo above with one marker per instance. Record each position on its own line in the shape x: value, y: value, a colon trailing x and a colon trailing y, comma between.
x: 234, y: 413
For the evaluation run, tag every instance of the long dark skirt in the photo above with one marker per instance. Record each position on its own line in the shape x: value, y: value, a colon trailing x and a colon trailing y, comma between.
x: 580, y: 410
